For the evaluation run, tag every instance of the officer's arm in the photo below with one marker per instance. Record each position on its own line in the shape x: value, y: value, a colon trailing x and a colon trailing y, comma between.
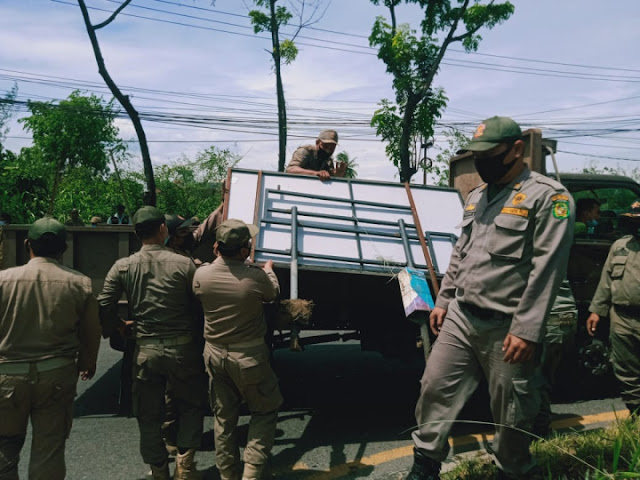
x: 269, y: 282
x: 207, y: 228
x: 552, y: 238
x: 108, y: 301
x: 601, y: 302
x: 89, y: 335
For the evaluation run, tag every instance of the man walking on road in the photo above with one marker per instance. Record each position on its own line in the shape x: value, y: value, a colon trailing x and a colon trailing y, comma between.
x: 157, y: 283
x: 618, y: 296
x: 236, y: 356
x: 503, y: 276
x: 49, y: 333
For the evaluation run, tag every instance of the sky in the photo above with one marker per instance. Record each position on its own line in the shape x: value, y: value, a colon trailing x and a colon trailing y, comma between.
x: 568, y: 67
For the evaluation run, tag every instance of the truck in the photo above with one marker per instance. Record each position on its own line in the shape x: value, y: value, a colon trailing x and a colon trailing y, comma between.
x: 341, y: 245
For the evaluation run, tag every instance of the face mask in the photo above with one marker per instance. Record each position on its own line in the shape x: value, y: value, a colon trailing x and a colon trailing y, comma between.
x: 322, y: 155
x: 492, y: 169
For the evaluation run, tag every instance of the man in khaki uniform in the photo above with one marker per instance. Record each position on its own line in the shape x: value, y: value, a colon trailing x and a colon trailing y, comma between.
x: 504, y: 273
x: 560, y: 330
x: 618, y: 296
x: 49, y: 333
x: 236, y: 356
x: 157, y: 283
x: 316, y: 159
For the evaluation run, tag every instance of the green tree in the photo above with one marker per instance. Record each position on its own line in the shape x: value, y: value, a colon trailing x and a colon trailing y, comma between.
x: 455, y: 140
x: 79, y: 131
x: 414, y: 61
x: 6, y: 110
x: 194, y: 187
x: 351, y: 164
x: 272, y: 20
x: 150, y: 194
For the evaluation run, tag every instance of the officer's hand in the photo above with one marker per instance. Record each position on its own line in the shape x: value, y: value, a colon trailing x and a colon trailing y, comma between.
x: 268, y: 266
x: 125, y: 328
x: 323, y: 175
x: 88, y: 373
x: 340, y: 170
x: 592, y: 324
x: 517, y: 350
x: 436, y: 317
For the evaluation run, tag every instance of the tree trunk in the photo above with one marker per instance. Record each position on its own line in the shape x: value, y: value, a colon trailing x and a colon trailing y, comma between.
x: 150, y: 196
x: 406, y: 171
x: 282, y: 109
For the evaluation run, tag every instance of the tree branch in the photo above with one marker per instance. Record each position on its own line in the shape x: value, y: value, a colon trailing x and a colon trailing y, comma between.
x: 113, y: 16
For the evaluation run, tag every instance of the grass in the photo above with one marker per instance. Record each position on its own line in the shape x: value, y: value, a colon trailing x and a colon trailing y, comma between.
x: 612, y: 453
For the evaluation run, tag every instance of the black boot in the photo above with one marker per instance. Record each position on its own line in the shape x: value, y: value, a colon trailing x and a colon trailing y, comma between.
x: 634, y: 408
x: 424, y: 468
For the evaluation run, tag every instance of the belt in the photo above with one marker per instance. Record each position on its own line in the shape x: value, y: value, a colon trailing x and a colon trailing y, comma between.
x: 483, y: 313
x: 630, y: 310
x: 23, y: 368
x: 248, y: 344
x: 167, y: 342
x: 563, y: 319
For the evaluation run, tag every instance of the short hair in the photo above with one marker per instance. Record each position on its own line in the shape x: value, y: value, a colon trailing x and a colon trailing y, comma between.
x: 584, y: 205
x: 148, y: 229
x: 48, y: 245
x: 226, y: 251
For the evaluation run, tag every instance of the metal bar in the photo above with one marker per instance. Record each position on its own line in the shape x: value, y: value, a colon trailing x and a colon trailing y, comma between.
x: 225, y: 194
x: 321, y: 256
x: 294, y: 254
x: 338, y: 217
x: 425, y: 251
x: 405, y: 244
x: 338, y: 200
x: 355, y: 223
x: 332, y: 228
x: 256, y: 208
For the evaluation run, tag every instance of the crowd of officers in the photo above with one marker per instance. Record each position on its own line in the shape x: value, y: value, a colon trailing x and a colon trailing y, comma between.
x: 192, y: 323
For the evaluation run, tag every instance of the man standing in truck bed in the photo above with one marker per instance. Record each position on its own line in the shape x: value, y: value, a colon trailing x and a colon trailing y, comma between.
x: 316, y: 159
x: 503, y: 276
x: 157, y: 283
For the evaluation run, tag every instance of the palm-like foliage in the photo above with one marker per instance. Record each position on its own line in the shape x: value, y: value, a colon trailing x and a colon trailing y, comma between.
x: 351, y: 164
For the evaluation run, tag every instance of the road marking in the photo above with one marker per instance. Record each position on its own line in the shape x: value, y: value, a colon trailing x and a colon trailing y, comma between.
x: 379, y: 458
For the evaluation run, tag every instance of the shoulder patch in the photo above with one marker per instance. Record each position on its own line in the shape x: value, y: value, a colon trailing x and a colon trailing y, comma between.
x: 560, y: 209
x: 559, y: 197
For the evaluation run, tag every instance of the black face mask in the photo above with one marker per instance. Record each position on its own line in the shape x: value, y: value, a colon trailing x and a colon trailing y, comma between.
x: 322, y: 155
x: 492, y: 169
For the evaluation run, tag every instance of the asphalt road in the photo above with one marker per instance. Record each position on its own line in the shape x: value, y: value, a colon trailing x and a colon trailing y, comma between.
x: 347, y: 414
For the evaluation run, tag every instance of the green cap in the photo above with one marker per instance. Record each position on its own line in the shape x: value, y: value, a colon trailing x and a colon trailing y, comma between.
x: 235, y: 233
x: 328, y: 136
x: 491, y: 133
x: 175, y: 222
x: 46, y: 225
x: 148, y: 214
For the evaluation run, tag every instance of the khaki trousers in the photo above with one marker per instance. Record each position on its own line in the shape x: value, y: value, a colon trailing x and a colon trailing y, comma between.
x: 47, y: 399
x: 468, y: 348
x: 625, y: 354
x: 182, y: 367
x: 237, y: 375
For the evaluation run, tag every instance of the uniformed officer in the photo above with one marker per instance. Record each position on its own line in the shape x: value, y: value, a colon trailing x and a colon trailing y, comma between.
x: 504, y: 273
x: 618, y: 296
x: 236, y: 356
x: 157, y: 283
x: 316, y: 159
x: 49, y: 333
x: 560, y: 331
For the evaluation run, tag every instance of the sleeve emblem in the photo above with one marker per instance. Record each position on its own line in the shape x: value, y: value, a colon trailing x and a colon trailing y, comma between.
x: 518, y: 199
x: 560, y: 208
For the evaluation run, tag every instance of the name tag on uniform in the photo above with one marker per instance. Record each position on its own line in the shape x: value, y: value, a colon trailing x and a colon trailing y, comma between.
x: 521, y: 212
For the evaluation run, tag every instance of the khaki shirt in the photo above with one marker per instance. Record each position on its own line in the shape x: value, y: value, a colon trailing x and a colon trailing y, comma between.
x: 47, y: 310
x: 232, y: 294
x: 512, y: 252
x: 620, y: 278
x: 157, y: 283
x: 307, y: 157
